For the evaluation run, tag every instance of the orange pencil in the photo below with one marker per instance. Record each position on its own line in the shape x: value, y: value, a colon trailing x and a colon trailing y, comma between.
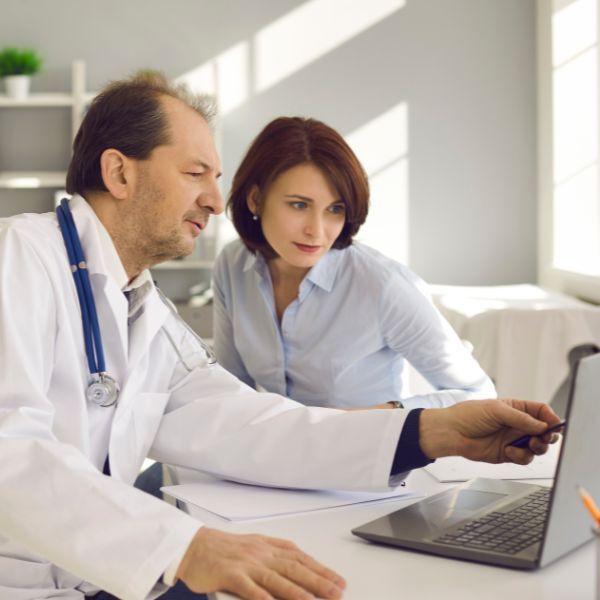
x: 590, y: 504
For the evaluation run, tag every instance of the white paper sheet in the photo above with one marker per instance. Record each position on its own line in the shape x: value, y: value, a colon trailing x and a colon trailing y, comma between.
x: 240, y: 502
x: 455, y: 468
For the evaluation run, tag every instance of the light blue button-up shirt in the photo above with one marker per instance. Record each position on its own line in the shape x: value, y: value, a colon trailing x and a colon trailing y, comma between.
x: 345, y: 340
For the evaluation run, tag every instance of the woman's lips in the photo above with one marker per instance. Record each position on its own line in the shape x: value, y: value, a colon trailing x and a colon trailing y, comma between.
x: 307, y: 248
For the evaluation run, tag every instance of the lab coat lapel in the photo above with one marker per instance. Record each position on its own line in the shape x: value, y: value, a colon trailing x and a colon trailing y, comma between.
x: 144, y: 327
x: 111, y: 306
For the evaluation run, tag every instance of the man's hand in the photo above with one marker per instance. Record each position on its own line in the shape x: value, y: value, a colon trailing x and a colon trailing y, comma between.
x: 483, y: 429
x: 255, y: 567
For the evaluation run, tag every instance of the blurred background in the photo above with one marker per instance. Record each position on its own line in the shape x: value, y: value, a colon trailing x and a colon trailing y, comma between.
x: 476, y: 120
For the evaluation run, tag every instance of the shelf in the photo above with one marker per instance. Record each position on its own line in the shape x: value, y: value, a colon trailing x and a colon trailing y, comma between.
x: 175, y: 265
x: 37, y: 100
x: 32, y: 179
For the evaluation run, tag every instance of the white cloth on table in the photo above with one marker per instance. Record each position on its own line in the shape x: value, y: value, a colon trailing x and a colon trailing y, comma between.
x: 521, y: 334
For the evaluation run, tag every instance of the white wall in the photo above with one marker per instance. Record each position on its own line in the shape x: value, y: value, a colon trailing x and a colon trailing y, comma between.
x: 462, y: 72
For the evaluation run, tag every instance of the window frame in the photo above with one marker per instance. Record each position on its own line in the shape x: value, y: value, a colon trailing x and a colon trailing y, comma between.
x: 570, y: 282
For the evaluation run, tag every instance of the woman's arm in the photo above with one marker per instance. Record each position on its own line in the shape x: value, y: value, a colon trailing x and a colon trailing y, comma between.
x: 224, y: 346
x: 413, y: 326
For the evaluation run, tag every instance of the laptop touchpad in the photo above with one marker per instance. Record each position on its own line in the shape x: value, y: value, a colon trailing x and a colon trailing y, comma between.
x: 456, y: 505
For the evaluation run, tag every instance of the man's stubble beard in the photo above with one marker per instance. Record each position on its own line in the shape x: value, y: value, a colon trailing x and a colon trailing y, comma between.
x: 141, y: 236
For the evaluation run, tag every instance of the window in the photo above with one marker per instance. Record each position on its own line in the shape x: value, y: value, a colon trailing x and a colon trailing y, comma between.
x: 569, y: 204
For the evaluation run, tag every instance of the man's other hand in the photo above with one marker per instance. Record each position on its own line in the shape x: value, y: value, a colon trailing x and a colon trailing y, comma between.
x: 255, y: 567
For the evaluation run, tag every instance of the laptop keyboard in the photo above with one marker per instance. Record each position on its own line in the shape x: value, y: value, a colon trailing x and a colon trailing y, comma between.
x: 505, y: 532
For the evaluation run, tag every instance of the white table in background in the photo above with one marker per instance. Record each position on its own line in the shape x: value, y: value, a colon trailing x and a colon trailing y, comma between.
x: 521, y: 334
x: 376, y: 572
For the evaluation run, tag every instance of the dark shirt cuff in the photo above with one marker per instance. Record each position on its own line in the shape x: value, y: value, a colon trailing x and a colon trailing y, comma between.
x: 408, y: 451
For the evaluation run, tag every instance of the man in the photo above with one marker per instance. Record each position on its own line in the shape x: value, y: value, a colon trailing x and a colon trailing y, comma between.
x: 71, y: 523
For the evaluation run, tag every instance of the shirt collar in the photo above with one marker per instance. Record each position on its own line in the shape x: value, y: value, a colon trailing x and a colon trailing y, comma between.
x: 323, y: 274
x: 256, y: 261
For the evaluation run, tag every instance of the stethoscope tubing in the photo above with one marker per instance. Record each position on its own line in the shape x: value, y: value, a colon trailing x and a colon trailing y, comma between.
x: 87, y: 333
x: 89, y: 316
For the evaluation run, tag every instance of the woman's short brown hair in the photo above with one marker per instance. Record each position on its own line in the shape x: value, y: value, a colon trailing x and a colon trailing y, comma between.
x: 285, y: 143
x: 128, y: 116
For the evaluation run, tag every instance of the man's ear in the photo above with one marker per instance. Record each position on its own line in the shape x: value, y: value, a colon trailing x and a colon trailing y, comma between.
x: 118, y: 173
x: 252, y: 200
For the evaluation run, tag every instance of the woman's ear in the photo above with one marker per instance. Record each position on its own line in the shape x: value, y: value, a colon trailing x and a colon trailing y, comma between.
x: 117, y: 173
x: 252, y: 200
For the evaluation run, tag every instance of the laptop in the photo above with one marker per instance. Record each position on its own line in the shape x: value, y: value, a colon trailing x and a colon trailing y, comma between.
x: 509, y: 523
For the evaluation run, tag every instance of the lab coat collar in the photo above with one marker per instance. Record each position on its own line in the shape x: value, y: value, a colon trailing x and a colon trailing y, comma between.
x: 100, y: 252
x: 323, y: 274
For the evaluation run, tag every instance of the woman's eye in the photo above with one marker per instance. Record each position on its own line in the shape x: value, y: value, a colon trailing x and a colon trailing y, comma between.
x: 338, y: 209
x: 298, y: 204
x: 195, y: 173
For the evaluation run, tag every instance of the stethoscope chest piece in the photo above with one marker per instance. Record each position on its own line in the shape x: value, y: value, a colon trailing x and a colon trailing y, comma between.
x: 103, y: 391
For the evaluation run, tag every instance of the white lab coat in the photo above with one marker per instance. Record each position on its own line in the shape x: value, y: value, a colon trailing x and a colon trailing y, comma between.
x: 65, y: 528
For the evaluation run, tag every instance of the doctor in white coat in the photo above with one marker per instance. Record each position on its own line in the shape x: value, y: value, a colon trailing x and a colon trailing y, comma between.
x: 71, y: 524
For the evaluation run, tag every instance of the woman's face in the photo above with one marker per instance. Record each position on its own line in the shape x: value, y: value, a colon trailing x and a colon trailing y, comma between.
x: 301, y: 216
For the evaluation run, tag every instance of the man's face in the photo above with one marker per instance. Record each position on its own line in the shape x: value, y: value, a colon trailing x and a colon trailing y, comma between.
x: 176, y: 187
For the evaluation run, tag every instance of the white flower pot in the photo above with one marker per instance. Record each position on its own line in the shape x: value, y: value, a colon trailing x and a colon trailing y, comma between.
x: 17, y: 86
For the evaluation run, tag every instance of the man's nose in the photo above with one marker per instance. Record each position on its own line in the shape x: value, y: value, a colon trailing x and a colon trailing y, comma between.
x: 212, y: 199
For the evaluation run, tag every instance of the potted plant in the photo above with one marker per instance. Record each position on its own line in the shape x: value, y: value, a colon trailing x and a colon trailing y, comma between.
x: 16, y: 68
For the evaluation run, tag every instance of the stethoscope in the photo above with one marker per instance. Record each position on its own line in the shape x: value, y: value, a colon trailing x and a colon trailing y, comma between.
x: 103, y: 389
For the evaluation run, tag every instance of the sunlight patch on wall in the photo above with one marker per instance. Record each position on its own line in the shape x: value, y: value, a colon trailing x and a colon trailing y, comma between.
x: 305, y: 34
x: 573, y: 30
x: 201, y: 79
x: 226, y: 76
x: 386, y: 228
x: 382, y: 140
x: 382, y: 147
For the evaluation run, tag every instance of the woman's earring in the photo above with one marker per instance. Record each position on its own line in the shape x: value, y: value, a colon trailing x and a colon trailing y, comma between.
x: 255, y: 217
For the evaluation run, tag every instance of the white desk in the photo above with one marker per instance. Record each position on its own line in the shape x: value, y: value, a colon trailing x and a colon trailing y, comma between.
x: 375, y: 572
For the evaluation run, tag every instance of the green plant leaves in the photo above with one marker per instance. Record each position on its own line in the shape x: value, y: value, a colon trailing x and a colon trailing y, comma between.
x: 19, y: 62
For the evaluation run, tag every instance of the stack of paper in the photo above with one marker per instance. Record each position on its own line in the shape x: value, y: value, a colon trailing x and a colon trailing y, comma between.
x: 241, y: 502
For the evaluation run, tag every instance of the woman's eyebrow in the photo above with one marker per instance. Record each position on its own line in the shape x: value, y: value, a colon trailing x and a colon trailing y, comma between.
x: 308, y: 199
x: 299, y: 197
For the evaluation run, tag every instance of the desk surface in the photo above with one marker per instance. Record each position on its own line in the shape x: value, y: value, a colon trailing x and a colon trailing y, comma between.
x: 381, y: 572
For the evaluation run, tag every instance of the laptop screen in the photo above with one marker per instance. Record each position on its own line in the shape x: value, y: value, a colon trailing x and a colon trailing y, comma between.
x: 568, y: 524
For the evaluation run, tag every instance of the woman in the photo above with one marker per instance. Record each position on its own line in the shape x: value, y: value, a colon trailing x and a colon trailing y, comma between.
x: 301, y: 309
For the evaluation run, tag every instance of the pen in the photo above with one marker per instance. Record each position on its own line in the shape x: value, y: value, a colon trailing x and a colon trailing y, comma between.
x: 523, y: 441
x: 590, y: 505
